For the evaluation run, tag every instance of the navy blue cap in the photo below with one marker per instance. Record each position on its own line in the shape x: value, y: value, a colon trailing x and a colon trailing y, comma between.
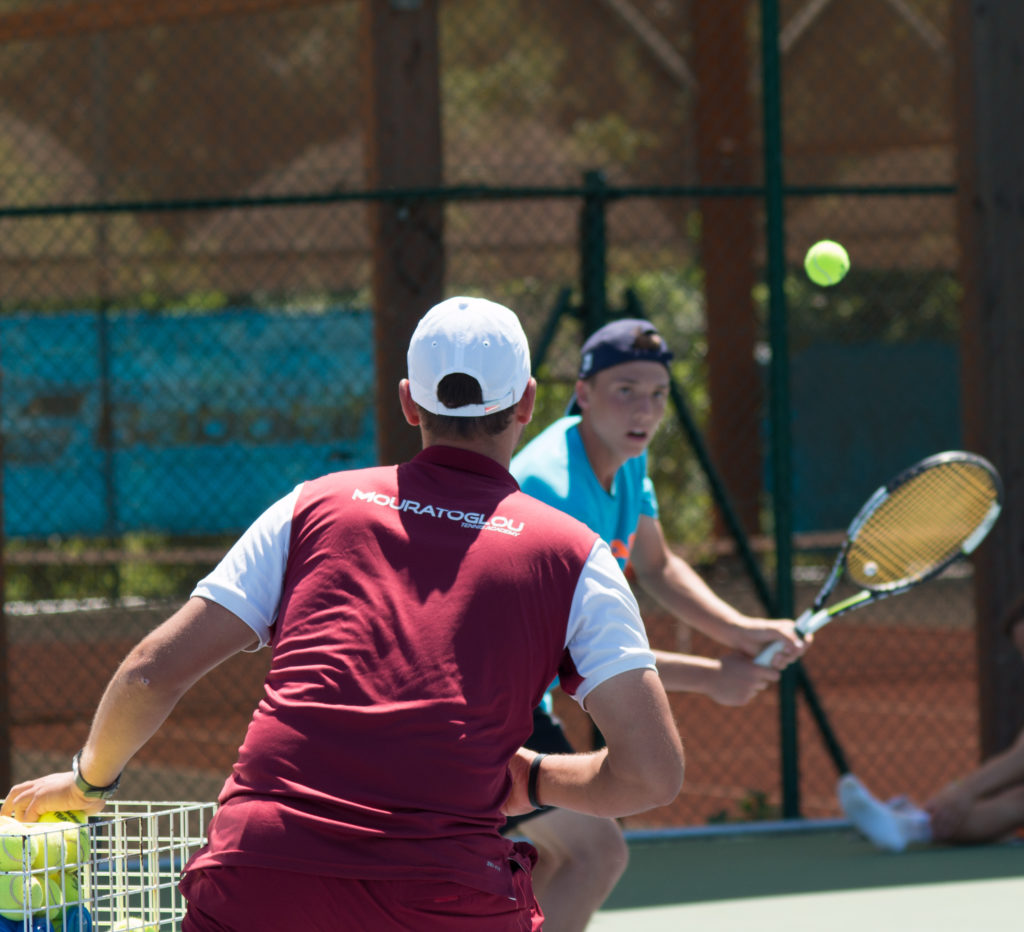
x: 620, y: 341
x: 623, y: 341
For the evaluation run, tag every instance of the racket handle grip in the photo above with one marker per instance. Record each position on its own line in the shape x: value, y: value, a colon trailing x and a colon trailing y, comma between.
x: 764, y: 659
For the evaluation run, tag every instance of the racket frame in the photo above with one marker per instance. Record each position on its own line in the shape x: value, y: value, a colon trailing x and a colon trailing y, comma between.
x: 817, y: 617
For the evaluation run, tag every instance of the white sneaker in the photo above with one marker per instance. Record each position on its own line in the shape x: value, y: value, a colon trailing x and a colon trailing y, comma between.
x: 881, y: 825
x: 903, y: 806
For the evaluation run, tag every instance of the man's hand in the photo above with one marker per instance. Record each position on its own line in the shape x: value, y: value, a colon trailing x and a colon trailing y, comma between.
x: 518, y: 802
x: 56, y: 792
x: 740, y: 680
x: 754, y: 634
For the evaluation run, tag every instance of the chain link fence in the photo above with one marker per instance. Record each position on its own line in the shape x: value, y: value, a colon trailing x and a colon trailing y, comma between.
x: 187, y: 328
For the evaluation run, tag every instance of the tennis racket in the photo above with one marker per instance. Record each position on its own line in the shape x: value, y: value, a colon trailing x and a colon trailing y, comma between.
x: 909, y: 531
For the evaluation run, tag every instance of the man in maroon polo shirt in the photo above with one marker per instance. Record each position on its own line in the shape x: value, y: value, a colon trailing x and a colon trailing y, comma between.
x: 416, y: 614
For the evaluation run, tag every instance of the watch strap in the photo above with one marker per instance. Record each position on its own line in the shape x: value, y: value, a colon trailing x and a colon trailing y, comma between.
x: 88, y: 789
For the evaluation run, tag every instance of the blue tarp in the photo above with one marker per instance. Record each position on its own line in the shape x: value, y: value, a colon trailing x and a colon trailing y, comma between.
x: 189, y: 423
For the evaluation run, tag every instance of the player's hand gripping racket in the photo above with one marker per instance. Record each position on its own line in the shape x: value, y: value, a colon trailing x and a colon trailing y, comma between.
x: 909, y: 531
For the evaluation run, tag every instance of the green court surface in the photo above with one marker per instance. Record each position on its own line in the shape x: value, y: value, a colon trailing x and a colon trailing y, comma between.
x: 822, y: 877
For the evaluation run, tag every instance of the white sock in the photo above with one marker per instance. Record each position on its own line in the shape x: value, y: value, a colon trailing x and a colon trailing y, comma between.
x: 888, y: 827
x: 916, y: 822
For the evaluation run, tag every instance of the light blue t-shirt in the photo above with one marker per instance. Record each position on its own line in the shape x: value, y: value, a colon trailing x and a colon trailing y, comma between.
x: 554, y: 468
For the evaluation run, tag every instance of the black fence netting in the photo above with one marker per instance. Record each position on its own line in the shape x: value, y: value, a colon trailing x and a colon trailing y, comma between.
x: 187, y: 325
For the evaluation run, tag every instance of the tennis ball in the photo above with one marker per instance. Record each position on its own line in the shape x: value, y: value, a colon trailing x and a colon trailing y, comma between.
x: 67, y: 883
x: 15, y: 837
x: 19, y: 893
x: 826, y: 263
x: 135, y: 925
x: 59, y: 849
x: 75, y: 816
x: 53, y: 885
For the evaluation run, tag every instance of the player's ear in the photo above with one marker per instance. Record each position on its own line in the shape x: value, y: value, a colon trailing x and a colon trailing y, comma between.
x: 409, y: 409
x: 524, y: 407
x: 582, y: 394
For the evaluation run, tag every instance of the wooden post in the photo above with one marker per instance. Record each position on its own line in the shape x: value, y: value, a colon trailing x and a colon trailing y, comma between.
x: 725, y: 157
x: 403, y: 144
x: 990, y: 117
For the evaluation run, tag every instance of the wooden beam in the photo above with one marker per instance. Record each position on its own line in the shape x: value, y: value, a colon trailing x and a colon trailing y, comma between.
x: 923, y: 28
x: 800, y: 23
x: 989, y: 40
x: 53, y: 20
x: 725, y: 153
x: 403, y: 139
x: 662, y: 51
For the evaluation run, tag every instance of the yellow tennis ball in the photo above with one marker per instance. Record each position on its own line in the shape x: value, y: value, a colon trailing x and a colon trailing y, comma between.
x: 826, y: 263
x: 75, y: 816
x: 53, y: 887
x: 136, y: 925
x: 14, y: 839
x: 61, y: 849
x: 61, y: 889
x: 19, y: 894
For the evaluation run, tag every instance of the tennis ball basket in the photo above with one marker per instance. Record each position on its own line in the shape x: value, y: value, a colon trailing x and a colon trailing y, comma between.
x: 116, y: 872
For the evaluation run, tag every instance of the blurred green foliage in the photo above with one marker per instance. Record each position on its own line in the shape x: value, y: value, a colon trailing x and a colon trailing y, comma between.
x: 755, y: 806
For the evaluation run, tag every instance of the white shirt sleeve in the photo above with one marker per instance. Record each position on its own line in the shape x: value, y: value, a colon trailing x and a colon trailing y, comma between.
x: 248, y: 581
x: 606, y: 635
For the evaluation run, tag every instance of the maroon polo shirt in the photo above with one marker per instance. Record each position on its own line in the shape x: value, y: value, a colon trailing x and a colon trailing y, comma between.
x: 423, y: 614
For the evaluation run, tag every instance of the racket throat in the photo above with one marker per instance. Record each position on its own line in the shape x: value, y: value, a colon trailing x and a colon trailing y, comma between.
x: 822, y: 618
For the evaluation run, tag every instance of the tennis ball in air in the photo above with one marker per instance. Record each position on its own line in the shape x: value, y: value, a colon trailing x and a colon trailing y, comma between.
x: 826, y: 263
x: 19, y: 894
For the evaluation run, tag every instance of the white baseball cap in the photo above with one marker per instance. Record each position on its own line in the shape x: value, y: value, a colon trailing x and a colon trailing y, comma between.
x: 474, y: 336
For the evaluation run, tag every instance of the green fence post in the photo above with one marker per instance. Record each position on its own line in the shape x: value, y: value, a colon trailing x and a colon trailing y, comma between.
x: 779, y: 380
x: 593, y: 252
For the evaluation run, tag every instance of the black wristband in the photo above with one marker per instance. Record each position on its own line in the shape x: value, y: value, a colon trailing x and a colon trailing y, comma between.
x: 531, y: 783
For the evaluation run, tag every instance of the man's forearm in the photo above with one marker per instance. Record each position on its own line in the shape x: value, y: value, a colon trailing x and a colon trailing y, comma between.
x: 129, y: 714
x: 592, y: 784
x: 684, y: 593
x: 687, y: 673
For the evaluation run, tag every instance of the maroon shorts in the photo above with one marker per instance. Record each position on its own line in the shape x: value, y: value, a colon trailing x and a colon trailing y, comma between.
x: 242, y: 899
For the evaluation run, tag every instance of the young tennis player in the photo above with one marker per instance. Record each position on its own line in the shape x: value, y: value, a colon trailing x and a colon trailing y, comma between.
x: 982, y: 806
x: 416, y: 615
x: 593, y: 465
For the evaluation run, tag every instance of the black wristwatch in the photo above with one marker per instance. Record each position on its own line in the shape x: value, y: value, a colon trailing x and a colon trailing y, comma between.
x: 87, y: 789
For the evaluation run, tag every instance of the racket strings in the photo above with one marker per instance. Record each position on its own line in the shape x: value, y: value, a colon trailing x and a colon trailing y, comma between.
x: 921, y: 525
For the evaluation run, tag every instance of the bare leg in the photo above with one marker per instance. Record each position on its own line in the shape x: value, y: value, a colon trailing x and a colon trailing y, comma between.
x: 581, y: 859
x: 991, y: 818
